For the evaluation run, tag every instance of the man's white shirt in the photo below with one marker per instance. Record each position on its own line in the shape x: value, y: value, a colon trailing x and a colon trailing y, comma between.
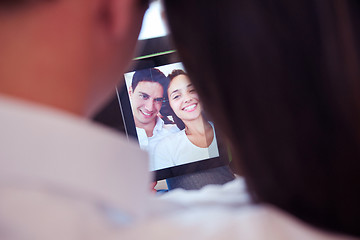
x: 160, y: 131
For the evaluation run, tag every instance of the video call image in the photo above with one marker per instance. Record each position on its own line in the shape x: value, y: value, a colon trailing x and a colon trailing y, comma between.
x: 168, y: 116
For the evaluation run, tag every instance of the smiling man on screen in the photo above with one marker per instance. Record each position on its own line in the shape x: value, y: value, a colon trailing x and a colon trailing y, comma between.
x: 147, y: 91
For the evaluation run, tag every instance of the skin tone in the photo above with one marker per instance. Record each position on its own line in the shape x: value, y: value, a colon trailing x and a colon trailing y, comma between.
x: 67, y: 54
x: 184, y: 101
x: 146, y: 101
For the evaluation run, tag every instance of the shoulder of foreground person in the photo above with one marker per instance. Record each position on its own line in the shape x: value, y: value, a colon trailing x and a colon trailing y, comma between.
x: 220, y: 222
x: 221, y: 212
x: 64, y: 177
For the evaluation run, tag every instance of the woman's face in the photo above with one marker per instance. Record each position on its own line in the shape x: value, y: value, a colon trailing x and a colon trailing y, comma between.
x: 183, y: 98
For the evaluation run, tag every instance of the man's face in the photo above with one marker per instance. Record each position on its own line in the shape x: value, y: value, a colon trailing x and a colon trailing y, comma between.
x: 146, y: 101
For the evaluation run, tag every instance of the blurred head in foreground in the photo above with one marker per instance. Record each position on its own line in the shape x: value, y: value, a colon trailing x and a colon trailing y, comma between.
x: 281, y: 80
x: 67, y: 54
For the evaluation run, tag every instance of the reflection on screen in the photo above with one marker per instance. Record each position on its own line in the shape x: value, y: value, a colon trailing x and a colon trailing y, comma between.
x: 168, y: 116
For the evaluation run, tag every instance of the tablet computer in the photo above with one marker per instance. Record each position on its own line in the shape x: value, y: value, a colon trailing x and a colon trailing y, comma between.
x: 148, y: 103
x: 147, y: 109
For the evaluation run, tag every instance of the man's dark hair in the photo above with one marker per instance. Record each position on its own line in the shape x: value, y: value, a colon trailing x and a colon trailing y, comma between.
x: 281, y: 80
x: 21, y: 3
x: 150, y: 75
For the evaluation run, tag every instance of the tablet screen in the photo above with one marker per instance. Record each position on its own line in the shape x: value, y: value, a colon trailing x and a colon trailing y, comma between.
x: 168, y: 116
x: 162, y: 110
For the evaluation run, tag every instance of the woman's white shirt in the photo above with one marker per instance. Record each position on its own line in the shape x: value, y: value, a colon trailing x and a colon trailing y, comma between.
x: 177, y: 149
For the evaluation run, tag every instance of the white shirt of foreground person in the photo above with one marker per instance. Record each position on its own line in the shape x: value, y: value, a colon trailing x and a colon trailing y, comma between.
x: 149, y: 143
x: 221, y: 212
x: 177, y: 149
x: 62, y: 177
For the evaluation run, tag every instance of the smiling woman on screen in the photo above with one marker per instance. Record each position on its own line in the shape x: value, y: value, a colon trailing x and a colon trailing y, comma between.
x: 196, y: 141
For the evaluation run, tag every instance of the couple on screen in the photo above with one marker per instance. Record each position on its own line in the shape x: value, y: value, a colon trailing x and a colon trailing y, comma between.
x: 157, y: 99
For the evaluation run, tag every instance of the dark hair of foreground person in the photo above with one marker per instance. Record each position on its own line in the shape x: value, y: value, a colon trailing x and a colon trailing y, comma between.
x: 281, y: 79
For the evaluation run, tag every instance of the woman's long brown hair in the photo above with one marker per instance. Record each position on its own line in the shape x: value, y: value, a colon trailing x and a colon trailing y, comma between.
x: 281, y: 80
